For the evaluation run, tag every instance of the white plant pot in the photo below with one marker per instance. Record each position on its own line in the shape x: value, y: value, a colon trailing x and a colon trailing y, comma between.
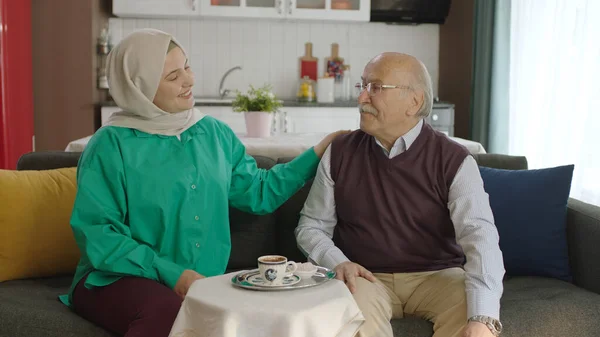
x: 258, y: 124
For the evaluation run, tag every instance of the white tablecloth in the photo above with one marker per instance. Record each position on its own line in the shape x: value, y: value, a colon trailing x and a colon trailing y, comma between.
x: 214, y: 307
x: 282, y: 145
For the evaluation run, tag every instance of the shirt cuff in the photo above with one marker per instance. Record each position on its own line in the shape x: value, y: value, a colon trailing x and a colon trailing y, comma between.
x: 332, y: 258
x: 483, y: 303
x: 168, y: 272
x: 306, y: 164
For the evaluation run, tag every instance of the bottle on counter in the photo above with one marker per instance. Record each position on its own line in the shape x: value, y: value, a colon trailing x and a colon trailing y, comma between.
x: 325, y: 89
x: 306, y: 90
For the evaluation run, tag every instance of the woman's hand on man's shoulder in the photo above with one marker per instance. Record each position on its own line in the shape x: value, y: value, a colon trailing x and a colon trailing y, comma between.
x: 324, y: 143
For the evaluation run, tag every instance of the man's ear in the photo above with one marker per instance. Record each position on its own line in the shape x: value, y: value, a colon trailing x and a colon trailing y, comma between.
x: 417, y: 99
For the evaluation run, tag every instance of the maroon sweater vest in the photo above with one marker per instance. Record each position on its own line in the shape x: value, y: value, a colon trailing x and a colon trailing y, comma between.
x: 393, y: 214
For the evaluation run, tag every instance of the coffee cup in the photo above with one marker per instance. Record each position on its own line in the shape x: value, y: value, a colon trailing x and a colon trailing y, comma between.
x: 274, y: 268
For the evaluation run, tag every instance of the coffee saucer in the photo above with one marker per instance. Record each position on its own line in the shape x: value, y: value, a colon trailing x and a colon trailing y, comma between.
x: 258, y: 280
x: 243, y: 280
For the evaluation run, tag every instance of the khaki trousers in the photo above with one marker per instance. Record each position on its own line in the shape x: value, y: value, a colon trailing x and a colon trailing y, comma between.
x: 437, y: 296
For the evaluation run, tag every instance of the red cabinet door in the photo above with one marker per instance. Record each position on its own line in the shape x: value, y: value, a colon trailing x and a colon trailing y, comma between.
x: 16, y: 87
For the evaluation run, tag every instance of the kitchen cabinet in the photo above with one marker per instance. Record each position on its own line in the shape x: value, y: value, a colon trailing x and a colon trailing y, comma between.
x: 317, y: 119
x: 329, y: 119
x: 157, y: 8
x: 235, y: 120
x: 225, y: 114
x: 293, y: 119
x: 331, y: 10
x: 324, y: 10
x: 243, y: 8
x: 314, y: 119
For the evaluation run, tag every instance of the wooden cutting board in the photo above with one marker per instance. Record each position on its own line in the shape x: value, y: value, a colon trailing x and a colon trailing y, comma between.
x: 334, y: 65
x: 308, y: 63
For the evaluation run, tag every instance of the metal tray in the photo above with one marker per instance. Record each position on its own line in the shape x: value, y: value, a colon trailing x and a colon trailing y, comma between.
x: 321, y: 276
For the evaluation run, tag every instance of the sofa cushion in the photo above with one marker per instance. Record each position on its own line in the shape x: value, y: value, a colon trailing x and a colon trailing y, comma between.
x: 530, y: 208
x: 36, y: 239
x: 412, y: 327
x: 287, y: 217
x: 537, y: 306
x: 31, y: 308
x: 251, y: 237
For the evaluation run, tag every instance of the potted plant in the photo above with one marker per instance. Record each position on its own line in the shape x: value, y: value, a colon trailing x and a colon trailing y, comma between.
x: 258, y: 106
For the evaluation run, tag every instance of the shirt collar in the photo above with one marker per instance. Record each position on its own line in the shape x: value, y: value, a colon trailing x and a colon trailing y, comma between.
x: 404, y: 142
x: 194, y: 130
x: 412, y: 134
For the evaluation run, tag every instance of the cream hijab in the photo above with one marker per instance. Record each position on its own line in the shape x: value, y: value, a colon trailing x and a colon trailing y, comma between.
x: 134, y: 67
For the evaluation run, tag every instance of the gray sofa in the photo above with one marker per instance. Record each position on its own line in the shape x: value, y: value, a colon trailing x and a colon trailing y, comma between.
x: 531, y: 306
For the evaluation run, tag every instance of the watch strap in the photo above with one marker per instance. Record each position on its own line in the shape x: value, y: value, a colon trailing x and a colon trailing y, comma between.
x: 493, y: 324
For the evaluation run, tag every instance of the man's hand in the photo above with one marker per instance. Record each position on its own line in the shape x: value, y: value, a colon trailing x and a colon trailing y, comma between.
x: 476, y: 329
x: 185, y: 282
x: 324, y: 143
x: 348, y: 271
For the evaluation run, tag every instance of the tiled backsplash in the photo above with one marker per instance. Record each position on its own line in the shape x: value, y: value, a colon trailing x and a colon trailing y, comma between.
x: 268, y: 51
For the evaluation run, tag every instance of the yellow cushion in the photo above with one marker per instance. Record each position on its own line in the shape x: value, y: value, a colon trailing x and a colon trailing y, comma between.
x: 36, y: 239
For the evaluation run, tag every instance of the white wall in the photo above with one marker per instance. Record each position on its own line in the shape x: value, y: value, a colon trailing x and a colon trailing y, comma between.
x: 268, y: 51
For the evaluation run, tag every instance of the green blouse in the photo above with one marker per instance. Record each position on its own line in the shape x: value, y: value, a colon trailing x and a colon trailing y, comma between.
x: 152, y: 205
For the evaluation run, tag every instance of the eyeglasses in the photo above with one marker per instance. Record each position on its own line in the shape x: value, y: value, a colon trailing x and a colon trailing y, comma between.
x: 375, y: 88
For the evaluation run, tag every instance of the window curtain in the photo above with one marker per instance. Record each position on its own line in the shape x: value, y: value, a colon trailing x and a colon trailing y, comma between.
x: 490, y: 82
x: 554, y: 106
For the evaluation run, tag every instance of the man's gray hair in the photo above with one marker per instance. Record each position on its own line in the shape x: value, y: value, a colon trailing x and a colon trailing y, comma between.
x: 422, y: 81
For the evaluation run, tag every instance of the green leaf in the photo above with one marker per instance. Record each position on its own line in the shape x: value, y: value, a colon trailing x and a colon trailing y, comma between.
x: 256, y: 99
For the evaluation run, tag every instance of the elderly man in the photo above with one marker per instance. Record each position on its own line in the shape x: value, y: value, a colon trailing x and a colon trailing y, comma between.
x: 397, y: 206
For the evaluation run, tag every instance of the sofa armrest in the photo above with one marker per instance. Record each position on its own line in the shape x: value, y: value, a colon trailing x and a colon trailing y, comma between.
x: 583, y: 235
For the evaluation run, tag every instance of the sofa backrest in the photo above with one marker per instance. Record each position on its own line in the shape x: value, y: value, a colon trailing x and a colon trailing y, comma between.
x: 501, y: 161
x: 56, y: 159
x: 47, y: 160
x: 255, y: 235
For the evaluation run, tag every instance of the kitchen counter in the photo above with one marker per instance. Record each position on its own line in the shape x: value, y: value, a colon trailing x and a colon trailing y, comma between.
x: 293, y: 103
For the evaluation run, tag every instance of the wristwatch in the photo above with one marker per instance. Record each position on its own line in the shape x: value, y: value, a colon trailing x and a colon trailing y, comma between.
x: 493, y: 324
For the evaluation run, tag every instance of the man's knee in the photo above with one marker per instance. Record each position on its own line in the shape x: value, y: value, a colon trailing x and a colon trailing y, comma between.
x: 376, y: 306
x: 372, y: 299
x: 365, y: 290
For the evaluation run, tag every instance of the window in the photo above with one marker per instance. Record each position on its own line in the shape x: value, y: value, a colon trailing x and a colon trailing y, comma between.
x: 554, y: 109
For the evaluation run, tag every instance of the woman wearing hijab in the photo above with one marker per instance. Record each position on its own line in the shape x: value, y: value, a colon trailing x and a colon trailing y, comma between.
x: 151, y: 214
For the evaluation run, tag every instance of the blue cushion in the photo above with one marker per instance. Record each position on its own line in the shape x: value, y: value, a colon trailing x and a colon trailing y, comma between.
x: 530, y: 209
